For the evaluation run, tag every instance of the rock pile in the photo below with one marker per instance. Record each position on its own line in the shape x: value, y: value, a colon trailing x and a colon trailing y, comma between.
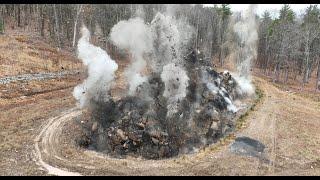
x: 140, y: 125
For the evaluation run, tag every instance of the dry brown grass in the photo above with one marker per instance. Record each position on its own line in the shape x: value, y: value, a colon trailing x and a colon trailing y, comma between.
x: 25, y: 105
x: 294, y: 86
x: 287, y: 124
x: 21, y: 54
x: 21, y: 89
x: 20, y: 119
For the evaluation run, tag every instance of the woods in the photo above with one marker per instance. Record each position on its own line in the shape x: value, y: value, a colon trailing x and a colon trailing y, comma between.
x: 288, y: 45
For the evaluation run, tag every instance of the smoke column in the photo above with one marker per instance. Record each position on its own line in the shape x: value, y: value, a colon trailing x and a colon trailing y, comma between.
x: 176, y: 82
x: 171, y: 36
x: 101, y: 69
x: 135, y: 36
x: 246, y: 30
x: 140, y: 12
x: 165, y: 39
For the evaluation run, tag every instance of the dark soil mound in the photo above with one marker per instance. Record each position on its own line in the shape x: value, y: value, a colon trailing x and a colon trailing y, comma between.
x: 141, y: 126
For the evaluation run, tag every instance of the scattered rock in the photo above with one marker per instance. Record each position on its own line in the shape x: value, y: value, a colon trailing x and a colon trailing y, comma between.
x: 155, y: 141
x: 94, y: 126
x: 142, y: 125
x: 121, y: 134
x: 214, y: 126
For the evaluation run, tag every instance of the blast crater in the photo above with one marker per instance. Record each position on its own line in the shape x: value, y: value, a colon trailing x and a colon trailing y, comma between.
x: 140, y: 125
x: 174, y: 102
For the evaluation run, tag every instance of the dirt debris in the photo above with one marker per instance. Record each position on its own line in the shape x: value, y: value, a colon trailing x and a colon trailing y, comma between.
x: 140, y: 125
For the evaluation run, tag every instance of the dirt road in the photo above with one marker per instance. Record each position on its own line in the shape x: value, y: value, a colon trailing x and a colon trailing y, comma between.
x: 38, y: 77
x: 287, y: 124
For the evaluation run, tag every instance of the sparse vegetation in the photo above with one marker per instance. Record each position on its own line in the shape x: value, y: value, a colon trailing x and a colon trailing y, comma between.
x: 242, y: 119
x: 22, y: 54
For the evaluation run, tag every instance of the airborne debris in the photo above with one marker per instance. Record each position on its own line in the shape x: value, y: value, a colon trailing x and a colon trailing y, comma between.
x: 140, y: 126
x: 180, y: 105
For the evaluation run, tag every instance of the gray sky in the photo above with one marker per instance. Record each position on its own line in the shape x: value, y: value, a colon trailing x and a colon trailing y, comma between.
x: 272, y: 8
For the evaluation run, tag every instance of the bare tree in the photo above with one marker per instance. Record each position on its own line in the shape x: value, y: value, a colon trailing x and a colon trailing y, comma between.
x: 56, y: 28
x: 310, y: 31
x: 78, y: 10
x: 318, y: 76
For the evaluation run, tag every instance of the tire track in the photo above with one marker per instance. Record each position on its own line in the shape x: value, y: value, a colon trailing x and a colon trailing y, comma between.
x: 263, y: 124
x: 44, y: 142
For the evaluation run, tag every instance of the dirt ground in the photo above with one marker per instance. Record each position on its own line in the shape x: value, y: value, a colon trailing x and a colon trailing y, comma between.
x: 22, y: 54
x: 39, y: 122
x: 36, y: 140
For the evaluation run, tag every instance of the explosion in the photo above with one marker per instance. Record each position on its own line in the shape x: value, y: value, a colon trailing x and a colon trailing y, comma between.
x: 180, y: 105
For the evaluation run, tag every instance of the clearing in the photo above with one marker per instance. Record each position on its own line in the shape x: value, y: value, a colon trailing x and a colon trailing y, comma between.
x: 37, y: 115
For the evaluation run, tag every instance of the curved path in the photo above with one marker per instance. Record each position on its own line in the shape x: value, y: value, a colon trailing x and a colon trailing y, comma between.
x: 287, y: 124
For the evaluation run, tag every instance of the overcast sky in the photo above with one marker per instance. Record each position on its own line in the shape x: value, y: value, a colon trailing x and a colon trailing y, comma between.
x: 272, y: 8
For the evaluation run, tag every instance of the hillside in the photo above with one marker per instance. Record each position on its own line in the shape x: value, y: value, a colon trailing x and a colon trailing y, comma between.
x: 25, y: 54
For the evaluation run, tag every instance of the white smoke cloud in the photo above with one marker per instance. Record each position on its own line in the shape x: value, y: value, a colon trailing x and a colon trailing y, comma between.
x: 245, y: 85
x: 101, y: 69
x: 140, y: 12
x: 176, y: 82
x: 213, y: 88
x: 217, y: 89
x: 165, y: 39
x: 171, y: 9
x: 231, y: 107
x: 135, y: 36
x: 171, y: 37
x: 246, y: 30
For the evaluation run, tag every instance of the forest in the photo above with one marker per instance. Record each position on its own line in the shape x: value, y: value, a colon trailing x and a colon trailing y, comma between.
x: 159, y: 89
x: 288, y: 45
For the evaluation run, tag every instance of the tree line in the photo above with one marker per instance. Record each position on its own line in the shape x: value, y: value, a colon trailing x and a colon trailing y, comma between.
x: 288, y: 46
